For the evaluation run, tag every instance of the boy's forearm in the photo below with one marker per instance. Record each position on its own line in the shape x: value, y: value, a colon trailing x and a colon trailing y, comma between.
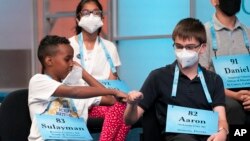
x: 223, y: 126
x: 99, y: 91
x: 83, y: 92
x: 131, y: 114
x: 107, y: 100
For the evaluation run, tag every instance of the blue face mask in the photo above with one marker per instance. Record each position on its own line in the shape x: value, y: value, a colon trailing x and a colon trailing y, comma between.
x: 230, y: 7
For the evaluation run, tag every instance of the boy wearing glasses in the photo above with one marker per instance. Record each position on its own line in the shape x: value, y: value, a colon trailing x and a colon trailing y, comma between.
x: 183, y: 85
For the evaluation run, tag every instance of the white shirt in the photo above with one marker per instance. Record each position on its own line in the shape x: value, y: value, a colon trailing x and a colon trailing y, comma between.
x: 95, y: 62
x: 41, y: 89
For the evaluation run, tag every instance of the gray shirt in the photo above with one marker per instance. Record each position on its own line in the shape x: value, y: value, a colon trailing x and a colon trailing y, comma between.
x: 229, y: 42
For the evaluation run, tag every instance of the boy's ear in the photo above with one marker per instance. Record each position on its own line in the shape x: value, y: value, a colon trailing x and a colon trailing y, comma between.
x: 203, y: 48
x: 48, y: 60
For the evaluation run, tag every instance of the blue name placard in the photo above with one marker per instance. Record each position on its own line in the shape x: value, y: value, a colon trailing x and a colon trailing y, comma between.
x: 54, y: 127
x: 234, y: 70
x: 191, y: 121
x: 116, y: 84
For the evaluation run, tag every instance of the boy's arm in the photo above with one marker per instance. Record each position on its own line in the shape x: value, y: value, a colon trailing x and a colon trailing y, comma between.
x: 91, y: 80
x: 222, y: 117
x: 79, y: 92
x: 222, y: 125
x: 133, y: 112
x: 106, y: 100
x: 239, y: 96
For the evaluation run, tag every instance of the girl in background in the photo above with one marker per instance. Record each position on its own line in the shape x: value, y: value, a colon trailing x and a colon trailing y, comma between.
x: 100, y: 58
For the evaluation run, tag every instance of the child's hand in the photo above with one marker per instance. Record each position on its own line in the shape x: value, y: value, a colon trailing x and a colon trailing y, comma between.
x: 76, y: 64
x: 134, y: 97
x: 120, y: 96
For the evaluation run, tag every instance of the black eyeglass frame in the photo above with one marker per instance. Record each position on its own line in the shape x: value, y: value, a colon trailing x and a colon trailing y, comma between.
x: 85, y: 12
x: 187, y: 47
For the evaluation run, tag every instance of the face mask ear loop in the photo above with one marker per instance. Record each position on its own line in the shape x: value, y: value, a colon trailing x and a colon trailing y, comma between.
x: 200, y: 48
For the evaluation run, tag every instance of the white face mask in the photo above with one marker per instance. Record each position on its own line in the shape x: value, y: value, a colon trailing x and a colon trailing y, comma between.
x: 73, y: 77
x: 90, y: 23
x: 186, y: 58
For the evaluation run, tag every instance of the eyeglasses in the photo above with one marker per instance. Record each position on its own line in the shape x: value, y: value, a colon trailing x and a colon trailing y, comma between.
x: 95, y: 12
x: 187, y: 47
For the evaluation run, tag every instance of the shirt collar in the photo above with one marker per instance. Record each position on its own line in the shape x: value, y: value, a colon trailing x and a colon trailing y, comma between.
x: 182, y: 74
x: 219, y: 26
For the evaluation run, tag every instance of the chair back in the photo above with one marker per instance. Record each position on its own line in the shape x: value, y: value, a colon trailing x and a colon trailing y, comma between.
x: 15, y: 119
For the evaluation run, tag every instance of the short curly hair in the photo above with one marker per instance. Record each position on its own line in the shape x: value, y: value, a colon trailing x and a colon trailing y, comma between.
x: 48, y: 47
